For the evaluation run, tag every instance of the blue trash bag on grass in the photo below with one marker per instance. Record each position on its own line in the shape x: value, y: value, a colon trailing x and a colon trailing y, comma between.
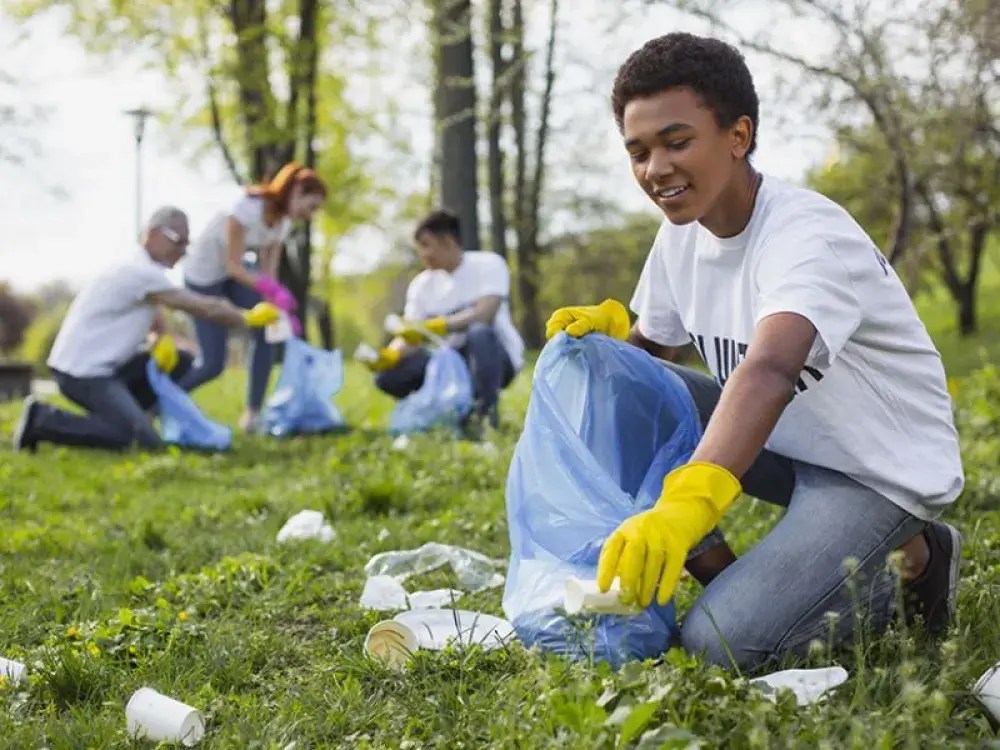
x: 443, y: 400
x: 605, y: 424
x: 302, y: 402
x: 182, y: 423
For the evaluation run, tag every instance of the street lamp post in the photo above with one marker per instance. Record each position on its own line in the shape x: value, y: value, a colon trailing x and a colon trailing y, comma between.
x: 139, y: 117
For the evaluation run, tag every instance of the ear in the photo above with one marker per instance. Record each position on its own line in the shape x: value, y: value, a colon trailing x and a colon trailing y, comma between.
x: 741, y: 133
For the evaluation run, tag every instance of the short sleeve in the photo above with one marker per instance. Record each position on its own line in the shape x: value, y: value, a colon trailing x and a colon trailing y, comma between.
x: 145, y: 279
x: 414, y: 308
x: 493, y: 277
x: 653, y: 302
x: 803, y: 273
x: 248, y: 211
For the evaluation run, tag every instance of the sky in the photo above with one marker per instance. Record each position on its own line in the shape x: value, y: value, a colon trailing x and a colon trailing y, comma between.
x: 69, y: 209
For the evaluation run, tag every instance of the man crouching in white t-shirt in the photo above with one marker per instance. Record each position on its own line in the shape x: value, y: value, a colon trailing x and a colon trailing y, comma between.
x: 463, y: 298
x: 98, y: 360
x: 827, y: 396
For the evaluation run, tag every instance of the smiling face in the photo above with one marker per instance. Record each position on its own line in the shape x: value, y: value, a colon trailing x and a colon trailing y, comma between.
x: 680, y: 156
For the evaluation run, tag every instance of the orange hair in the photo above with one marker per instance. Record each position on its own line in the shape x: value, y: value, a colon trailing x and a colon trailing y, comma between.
x: 277, y: 191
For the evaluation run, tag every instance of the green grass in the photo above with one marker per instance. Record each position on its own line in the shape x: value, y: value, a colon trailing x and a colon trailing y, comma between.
x: 118, y: 571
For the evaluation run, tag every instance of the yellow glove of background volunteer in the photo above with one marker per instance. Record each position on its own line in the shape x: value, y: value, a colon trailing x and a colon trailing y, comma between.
x: 262, y: 314
x: 415, y: 331
x: 388, y: 358
x: 610, y: 318
x: 647, y: 552
x: 164, y: 353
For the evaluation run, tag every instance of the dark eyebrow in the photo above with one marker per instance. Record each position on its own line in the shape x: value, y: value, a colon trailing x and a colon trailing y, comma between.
x: 668, y: 130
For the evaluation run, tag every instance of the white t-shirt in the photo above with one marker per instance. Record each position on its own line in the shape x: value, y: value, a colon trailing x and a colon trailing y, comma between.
x: 434, y: 293
x: 206, y: 260
x: 107, y: 322
x: 872, y: 401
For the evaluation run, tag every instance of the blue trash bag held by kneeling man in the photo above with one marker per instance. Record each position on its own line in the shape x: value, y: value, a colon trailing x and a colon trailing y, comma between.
x: 182, y: 423
x: 444, y: 399
x: 302, y: 402
x: 605, y: 424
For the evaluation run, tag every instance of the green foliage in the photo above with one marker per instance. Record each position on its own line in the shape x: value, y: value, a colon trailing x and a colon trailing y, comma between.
x: 592, y: 266
x: 40, y: 337
x: 128, y: 570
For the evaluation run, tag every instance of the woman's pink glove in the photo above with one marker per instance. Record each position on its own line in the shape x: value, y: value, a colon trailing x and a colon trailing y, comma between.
x: 275, y: 292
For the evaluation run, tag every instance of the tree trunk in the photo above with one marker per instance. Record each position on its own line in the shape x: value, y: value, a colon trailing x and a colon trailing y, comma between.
x: 967, y: 322
x: 495, y: 160
x: 253, y: 81
x: 455, y: 114
x: 518, y: 84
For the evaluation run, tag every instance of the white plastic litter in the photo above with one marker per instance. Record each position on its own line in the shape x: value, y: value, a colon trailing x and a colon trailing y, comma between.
x: 401, y: 443
x: 809, y: 685
x: 434, y: 599
x: 154, y: 716
x: 393, y: 323
x: 987, y: 691
x: 395, y: 640
x: 365, y: 353
x: 12, y: 670
x: 475, y: 571
x: 278, y: 331
x: 584, y: 596
x: 306, y: 524
x: 391, y: 642
x: 383, y: 593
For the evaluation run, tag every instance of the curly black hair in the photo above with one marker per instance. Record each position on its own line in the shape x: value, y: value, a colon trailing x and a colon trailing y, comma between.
x: 714, y: 70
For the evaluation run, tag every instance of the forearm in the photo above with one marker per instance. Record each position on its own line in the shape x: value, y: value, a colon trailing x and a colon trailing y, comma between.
x: 241, y: 275
x: 484, y: 311
x: 752, y: 401
x: 666, y: 353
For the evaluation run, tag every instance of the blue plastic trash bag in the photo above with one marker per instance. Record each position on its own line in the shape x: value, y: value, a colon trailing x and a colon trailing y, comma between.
x: 442, y: 401
x: 605, y: 424
x: 181, y: 421
x: 302, y: 402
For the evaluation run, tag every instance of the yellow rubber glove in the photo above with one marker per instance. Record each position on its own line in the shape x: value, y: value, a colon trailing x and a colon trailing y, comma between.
x: 647, y: 552
x: 388, y: 358
x: 262, y: 314
x: 164, y: 353
x: 610, y: 317
x: 415, y: 331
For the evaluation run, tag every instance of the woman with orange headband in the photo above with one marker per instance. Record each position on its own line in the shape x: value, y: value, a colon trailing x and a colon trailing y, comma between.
x: 237, y: 258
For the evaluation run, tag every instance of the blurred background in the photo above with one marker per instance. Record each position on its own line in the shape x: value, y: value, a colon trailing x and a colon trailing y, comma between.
x: 496, y: 108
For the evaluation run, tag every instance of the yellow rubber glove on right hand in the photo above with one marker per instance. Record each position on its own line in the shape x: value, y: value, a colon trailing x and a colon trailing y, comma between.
x: 262, y: 314
x: 164, y: 353
x: 388, y: 358
x: 610, y: 318
x: 647, y: 552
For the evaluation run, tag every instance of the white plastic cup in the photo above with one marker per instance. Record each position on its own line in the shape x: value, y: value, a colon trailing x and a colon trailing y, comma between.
x: 585, y: 596
x: 12, y: 670
x: 279, y: 331
x: 365, y: 353
x: 393, y: 323
x: 392, y: 643
x: 154, y: 716
x: 987, y: 692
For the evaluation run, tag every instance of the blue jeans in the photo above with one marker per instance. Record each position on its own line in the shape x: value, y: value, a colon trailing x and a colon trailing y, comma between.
x: 117, y: 408
x: 826, y: 555
x: 489, y: 365
x: 212, y: 339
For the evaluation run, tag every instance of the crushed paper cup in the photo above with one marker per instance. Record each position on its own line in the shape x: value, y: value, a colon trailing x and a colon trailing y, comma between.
x: 434, y: 599
x: 365, y: 353
x: 12, y: 670
x: 584, y: 596
x: 154, y: 716
x: 392, y: 643
x: 306, y: 524
x: 987, y: 692
x: 808, y: 685
x: 279, y: 331
x: 439, y: 628
x: 383, y: 593
x: 401, y: 443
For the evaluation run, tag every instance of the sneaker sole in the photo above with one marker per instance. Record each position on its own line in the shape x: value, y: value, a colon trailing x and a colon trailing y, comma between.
x: 953, y: 567
x: 31, y: 404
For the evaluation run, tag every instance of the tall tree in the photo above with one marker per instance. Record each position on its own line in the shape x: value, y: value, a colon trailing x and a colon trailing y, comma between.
x: 499, y: 89
x: 455, y: 114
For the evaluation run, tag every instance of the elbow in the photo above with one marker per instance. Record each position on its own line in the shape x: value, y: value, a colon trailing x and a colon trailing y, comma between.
x: 770, y: 380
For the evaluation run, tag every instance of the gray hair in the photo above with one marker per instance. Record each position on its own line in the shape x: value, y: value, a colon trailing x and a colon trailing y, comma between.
x: 166, y: 216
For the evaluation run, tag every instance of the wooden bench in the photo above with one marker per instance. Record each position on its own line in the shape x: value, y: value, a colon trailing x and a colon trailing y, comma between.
x: 15, y: 380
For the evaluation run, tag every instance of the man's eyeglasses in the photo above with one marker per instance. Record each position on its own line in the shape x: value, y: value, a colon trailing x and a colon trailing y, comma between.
x: 174, y: 237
